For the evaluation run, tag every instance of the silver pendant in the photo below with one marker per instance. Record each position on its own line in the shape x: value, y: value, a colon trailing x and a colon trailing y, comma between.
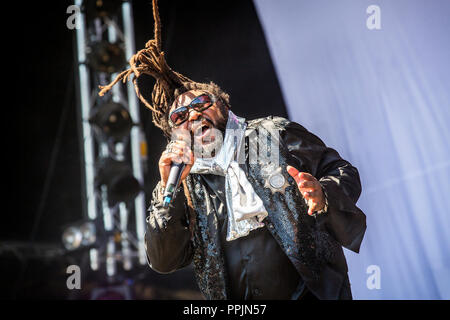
x: 275, y: 180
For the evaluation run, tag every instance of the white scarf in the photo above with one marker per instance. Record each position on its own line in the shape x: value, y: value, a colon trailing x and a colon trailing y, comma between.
x: 245, y: 208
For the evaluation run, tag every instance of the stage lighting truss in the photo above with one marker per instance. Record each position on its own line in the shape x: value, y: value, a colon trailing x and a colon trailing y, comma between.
x: 111, y: 140
x: 108, y: 235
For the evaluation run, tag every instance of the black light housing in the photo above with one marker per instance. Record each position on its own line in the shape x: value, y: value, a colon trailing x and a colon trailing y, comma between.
x: 112, y: 120
x: 118, y: 178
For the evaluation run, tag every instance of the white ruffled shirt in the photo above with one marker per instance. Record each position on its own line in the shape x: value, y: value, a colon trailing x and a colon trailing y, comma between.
x: 245, y: 208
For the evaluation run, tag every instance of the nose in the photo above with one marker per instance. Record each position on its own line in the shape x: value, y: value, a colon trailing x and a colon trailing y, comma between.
x: 194, y: 115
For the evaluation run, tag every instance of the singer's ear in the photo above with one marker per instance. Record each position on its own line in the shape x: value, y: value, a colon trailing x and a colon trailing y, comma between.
x: 224, y: 105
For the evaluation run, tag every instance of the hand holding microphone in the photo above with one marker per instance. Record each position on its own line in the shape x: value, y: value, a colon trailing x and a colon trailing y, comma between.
x: 174, y: 166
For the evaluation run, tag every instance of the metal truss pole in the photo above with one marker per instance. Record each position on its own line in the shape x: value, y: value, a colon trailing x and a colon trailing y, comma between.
x: 96, y: 204
x: 130, y: 49
x: 87, y: 145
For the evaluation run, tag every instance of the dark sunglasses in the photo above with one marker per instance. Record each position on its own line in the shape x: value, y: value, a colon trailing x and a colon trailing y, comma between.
x: 181, y: 114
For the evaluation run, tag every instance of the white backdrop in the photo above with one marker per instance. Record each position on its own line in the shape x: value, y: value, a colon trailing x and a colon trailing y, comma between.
x: 381, y: 98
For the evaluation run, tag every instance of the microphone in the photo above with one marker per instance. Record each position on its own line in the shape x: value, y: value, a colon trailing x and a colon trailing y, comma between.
x: 172, y: 182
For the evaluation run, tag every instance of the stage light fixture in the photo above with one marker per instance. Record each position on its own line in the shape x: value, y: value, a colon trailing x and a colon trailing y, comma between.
x: 106, y: 57
x: 88, y: 233
x: 79, y: 235
x: 118, y: 178
x: 112, y: 120
x: 72, y: 238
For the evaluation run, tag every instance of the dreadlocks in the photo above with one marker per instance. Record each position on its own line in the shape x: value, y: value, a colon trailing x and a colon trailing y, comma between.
x: 169, y: 84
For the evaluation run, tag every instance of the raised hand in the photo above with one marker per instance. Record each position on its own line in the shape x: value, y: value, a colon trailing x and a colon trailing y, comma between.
x: 310, y: 188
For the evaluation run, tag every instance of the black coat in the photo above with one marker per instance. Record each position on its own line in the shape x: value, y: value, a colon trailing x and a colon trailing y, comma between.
x: 177, y: 236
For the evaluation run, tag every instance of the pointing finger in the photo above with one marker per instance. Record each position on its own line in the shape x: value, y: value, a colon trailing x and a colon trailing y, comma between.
x: 294, y: 173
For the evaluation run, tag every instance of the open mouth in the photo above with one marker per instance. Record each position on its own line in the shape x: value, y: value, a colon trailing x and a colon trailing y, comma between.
x: 202, y: 130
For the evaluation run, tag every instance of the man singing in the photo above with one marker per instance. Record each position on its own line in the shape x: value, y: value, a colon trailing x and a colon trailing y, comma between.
x: 264, y: 207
